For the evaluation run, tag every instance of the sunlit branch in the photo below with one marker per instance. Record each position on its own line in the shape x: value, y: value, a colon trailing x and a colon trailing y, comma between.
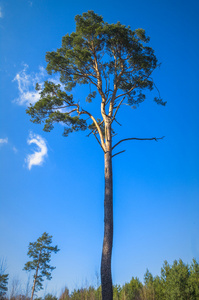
x: 117, y: 80
x: 117, y: 109
x: 96, y: 124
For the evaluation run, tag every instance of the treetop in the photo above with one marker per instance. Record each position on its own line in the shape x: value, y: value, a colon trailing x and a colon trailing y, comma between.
x: 114, y: 61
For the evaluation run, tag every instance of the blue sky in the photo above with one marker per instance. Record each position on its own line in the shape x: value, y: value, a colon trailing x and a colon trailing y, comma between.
x: 60, y: 190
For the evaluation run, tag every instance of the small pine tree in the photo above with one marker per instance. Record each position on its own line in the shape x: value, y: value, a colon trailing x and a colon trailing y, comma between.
x: 3, y: 280
x: 3, y: 284
x: 40, y: 251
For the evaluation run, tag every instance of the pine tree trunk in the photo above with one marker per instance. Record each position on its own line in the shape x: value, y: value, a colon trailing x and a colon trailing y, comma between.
x: 106, y: 277
x: 33, y: 288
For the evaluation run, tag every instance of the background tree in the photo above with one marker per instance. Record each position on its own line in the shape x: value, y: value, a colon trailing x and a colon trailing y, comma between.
x: 177, y: 281
x: 40, y: 252
x: 149, y: 288
x: 158, y: 288
x: 116, y: 64
x: 3, y: 285
x: 117, y: 292
x: 133, y: 289
x: 193, y: 281
x: 65, y: 294
x: 3, y: 279
x: 50, y: 297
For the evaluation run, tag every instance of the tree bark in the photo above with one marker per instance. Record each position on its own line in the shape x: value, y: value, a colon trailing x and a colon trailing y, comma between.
x: 33, y: 288
x: 106, y: 277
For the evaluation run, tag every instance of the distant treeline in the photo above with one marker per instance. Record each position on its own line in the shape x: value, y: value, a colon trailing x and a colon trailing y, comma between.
x: 177, y: 281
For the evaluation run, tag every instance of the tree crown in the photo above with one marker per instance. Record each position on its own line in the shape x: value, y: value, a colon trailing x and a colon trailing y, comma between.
x: 112, y: 59
x: 40, y: 252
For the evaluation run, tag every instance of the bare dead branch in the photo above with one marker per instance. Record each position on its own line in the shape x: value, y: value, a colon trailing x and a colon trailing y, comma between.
x: 89, y: 133
x: 117, y: 122
x: 118, y: 153
x: 114, y: 135
x: 138, y: 139
x: 98, y: 141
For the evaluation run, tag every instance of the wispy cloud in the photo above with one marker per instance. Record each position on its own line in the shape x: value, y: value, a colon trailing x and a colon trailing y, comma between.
x: 1, y: 13
x: 27, y: 82
x: 37, y: 158
x: 14, y: 149
x: 3, y: 141
x: 26, y: 85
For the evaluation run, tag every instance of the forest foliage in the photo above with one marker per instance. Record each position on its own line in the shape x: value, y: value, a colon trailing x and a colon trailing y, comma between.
x: 176, y: 281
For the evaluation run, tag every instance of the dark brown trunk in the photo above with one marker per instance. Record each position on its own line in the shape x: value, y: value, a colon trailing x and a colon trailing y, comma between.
x: 106, y: 277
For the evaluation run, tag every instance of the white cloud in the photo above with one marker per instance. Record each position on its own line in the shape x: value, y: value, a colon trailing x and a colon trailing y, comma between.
x: 26, y: 85
x: 27, y: 82
x: 4, y: 141
x: 37, y: 158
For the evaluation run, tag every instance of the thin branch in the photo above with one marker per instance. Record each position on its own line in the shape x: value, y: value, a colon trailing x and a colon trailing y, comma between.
x: 118, y: 153
x: 90, y: 133
x: 69, y: 112
x: 117, y: 122
x: 61, y: 107
x: 129, y: 91
x: 117, y: 109
x: 87, y: 76
x: 94, y: 130
x: 134, y: 86
x: 96, y: 124
x: 98, y: 141
x: 116, y: 80
x: 114, y: 134
x: 139, y: 139
x: 155, y: 87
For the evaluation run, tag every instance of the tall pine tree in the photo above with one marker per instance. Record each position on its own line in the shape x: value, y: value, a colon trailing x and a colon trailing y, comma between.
x: 116, y: 63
